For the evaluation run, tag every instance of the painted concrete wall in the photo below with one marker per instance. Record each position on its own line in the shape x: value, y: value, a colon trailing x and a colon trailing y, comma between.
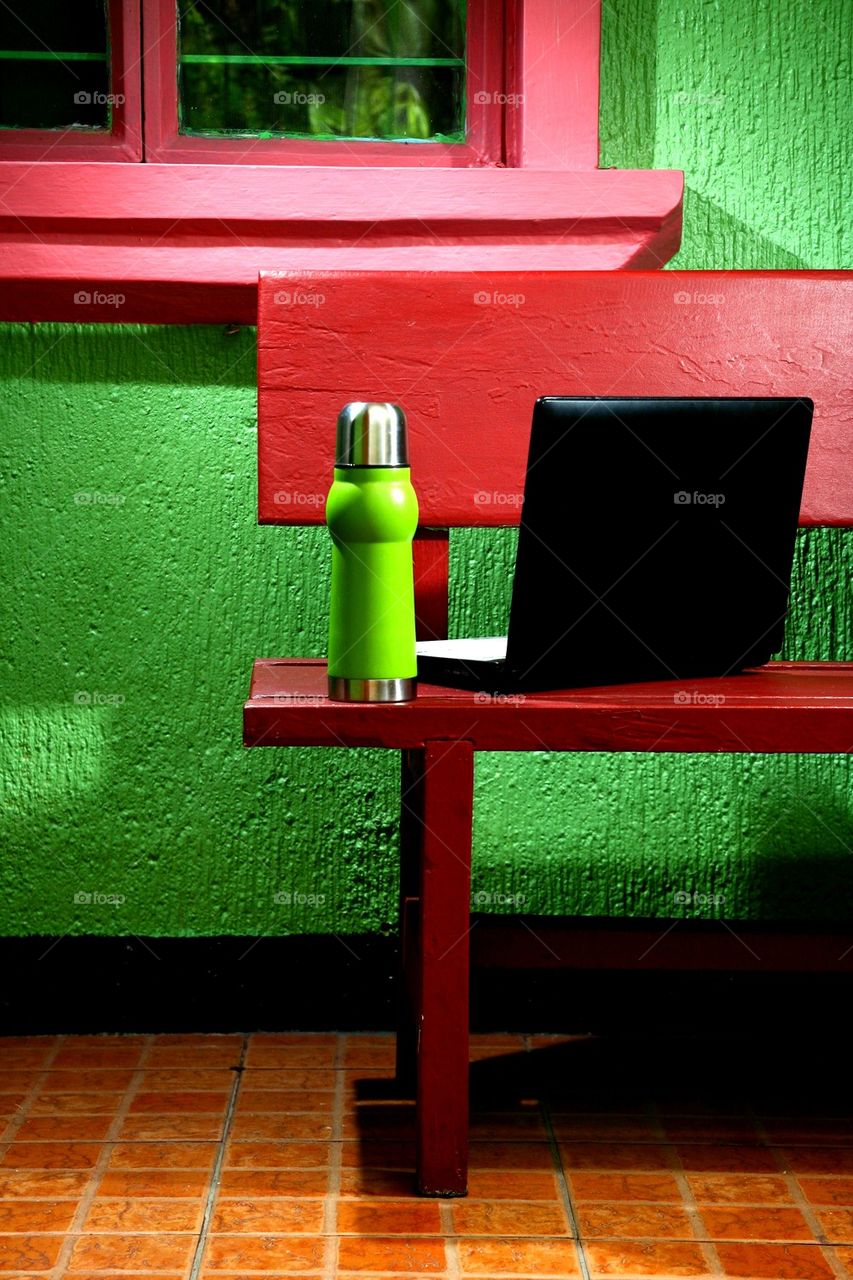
x: 137, y: 589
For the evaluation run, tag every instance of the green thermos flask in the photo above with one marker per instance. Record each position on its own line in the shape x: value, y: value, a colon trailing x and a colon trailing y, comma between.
x: 372, y: 514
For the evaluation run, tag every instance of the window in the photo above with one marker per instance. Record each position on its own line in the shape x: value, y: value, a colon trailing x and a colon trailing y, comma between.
x: 391, y: 82
x: 55, y: 70
x: 63, y: 88
x: 331, y: 69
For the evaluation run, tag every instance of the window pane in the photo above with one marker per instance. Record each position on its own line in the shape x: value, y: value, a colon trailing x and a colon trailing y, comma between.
x: 329, y: 68
x: 54, y: 70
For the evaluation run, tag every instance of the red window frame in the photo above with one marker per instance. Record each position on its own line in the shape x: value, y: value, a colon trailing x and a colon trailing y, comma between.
x: 484, y: 131
x: 123, y: 141
x: 184, y: 242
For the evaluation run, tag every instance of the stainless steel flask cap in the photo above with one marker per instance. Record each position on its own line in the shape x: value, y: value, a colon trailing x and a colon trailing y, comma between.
x: 372, y: 435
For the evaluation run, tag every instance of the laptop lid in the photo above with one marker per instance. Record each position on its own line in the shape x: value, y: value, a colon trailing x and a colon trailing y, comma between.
x: 657, y: 537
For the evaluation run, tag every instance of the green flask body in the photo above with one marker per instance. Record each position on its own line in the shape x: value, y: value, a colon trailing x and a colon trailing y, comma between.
x: 372, y: 514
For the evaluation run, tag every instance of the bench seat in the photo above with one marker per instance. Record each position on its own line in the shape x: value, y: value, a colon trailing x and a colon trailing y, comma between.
x: 780, y: 707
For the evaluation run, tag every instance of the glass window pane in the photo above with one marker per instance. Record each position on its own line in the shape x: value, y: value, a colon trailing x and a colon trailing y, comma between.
x: 328, y: 69
x: 54, y: 68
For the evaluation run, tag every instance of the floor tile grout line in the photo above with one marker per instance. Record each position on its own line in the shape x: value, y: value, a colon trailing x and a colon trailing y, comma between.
x: 565, y: 1191
x: 14, y: 1122
x: 96, y: 1176
x: 452, y: 1263
x: 806, y: 1209
x: 530, y: 1140
x: 688, y: 1200
x: 333, y: 1184
x: 535, y: 1236
x: 786, y: 1241
x: 783, y: 1242
x: 692, y: 1142
x: 142, y: 1143
x: 450, y: 1238
x: 562, y: 1180
x: 216, y: 1171
x: 473, y: 1200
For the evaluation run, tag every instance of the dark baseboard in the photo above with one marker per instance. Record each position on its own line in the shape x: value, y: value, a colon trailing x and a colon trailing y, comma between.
x: 738, y: 946
x: 86, y: 984
x: 593, y: 982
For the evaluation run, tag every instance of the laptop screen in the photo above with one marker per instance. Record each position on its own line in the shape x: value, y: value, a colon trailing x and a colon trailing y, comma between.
x: 657, y: 537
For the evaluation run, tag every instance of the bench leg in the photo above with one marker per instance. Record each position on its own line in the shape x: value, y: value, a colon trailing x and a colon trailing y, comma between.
x: 411, y: 841
x: 445, y: 799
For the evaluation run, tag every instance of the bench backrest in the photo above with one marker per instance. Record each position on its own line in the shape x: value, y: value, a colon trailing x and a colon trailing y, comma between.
x: 466, y: 354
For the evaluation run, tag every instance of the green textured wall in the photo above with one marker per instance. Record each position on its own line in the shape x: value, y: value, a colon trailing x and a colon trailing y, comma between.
x: 753, y: 101
x: 138, y: 588
x: 131, y: 625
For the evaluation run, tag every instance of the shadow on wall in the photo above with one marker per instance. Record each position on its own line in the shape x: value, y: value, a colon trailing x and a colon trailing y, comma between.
x: 140, y: 589
x: 96, y: 351
x: 752, y: 102
x: 628, y: 114
x: 728, y: 240
x: 804, y: 853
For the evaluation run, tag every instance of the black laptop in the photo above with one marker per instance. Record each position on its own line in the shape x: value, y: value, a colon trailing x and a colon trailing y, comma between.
x: 656, y: 543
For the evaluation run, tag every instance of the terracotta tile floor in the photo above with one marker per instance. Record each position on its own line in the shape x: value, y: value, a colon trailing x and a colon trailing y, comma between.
x: 153, y: 1155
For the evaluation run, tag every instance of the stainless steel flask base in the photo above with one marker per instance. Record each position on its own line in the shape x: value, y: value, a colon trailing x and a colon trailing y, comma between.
x: 346, y: 689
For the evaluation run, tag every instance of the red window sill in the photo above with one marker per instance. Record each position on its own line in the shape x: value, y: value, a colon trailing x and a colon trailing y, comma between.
x: 186, y: 243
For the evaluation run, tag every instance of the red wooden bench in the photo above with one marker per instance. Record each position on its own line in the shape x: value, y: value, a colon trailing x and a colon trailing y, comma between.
x: 466, y: 355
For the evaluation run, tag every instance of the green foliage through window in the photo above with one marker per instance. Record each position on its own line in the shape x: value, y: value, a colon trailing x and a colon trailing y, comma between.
x: 324, y: 69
